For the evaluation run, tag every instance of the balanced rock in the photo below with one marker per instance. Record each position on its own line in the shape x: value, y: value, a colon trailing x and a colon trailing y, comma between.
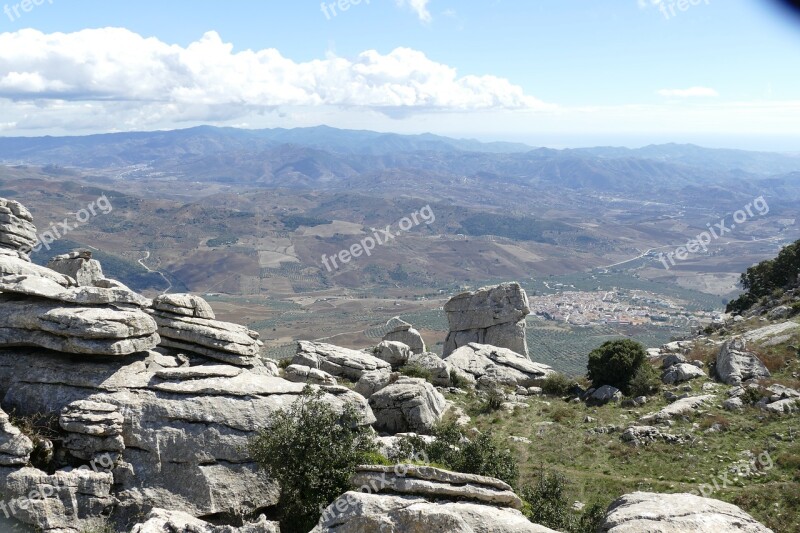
x: 402, y: 331
x: 415, y: 498
x: 393, y: 352
x: 181, y: 327
x: 678, y: 513
x: 491, y: 315
x: 486, y: 364
x: 408, y: 404
x: 735, y: 364
x: 339, y: 362
x: 79, y: 266
x: 15, y: 448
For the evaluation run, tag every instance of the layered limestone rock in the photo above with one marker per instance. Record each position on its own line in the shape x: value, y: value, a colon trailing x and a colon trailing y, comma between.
x: 306, y: 374
x: 15, y: 448
x: 79, y: 266
x: 408, y: 404
x: 491, y: 365
x: 415, y: 498
x: 491, y: 315
x: 402, y: 331
x: 681, y: 372
x: 161, y: 521
x: 393, y: 352
x: 336, y: 361
x: 438, y: 367
x: 17, y: 231
x: 682, y: 407
x: 735, y: 364
x: 186, y: 323
x: 185, y: 429
x: 93, y: 428
x: 677, y: 513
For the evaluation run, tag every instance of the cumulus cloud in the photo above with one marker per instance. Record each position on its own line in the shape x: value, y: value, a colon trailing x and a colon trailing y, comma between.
x: 123, y: 71
x: 691, y: 92
x: 420, y: 7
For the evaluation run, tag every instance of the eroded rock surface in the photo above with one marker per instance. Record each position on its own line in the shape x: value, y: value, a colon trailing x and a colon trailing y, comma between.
x: 736, y: 364
x: 490, y: 364
x: 409, y: 404
x: 402, y: 331
x: 337, y: 361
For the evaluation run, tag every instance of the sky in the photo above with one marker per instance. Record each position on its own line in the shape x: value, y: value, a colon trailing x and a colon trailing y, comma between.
x: 557, y: 73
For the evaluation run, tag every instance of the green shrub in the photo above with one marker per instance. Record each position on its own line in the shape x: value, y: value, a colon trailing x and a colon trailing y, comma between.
x: 751, y: 396
x: 494, y: 400
x: 646, y: 381
x: 311, y: 451
x: 283, y: 363
x: 547, y: 504
x: 557, y: 385
x: 417, y: 371
x: 458, y: 381
x: 615, y: 363
x: 482, y: 455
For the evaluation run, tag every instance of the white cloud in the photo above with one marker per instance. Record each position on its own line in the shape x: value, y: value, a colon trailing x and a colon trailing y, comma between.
x: 420, y: 7
x: 145, y: 80
x: 691, y: 92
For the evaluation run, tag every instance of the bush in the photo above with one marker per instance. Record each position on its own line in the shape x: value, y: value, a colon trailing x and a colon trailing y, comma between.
x: 646, y: 381
x: 546, y: 504
x: 615, y: 363
x: 417, y: 371
x: 557, y: 385
x: 311, y: 451
x: 494, y: 399
x: 451, y: 450
x: 458, y: 381
x: 752, y: 395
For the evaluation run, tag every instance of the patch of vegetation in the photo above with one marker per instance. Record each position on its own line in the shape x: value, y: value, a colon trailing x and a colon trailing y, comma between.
x: 768, y: 278
x: 494, y: 399
x: 546, y: 504
x: 417, y: 371
x: 224, y: 240
x: 292, y: 222
x: 646, y: 381
x: 458, y: 381
x: 557, y: 385
x: 615, y: 363
x: 311, y: 451
x: 517, y: 228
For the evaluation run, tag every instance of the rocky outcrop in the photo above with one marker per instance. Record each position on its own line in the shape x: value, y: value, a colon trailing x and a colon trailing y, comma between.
x: 681, y: 372
x: 491, y: 315
x: 336, y: 361
x: 682, y: 407
x: 677, y: 513
x: 17, y: 231
x: 92, y: 428
x: 306, y: 374
x: 735, y: 364
x: 603, y: 395
x: 644, y: 435
x: 185, y: 429
x: 489, y: 365
x: 394, y: 353
x: 412, y: 498
x: 438, y: 367
x: 79, y: 266
x: 15, y: 448
x: 372, y: 382
x: 409, y: 404
x: 161, y: 521
x: 183, y: 325
x: 402, y: 331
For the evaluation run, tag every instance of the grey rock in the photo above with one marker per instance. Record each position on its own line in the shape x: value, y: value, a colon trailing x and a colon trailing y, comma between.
x: 491, y: 364
x: 409, y: 404
x: 38, y: 287
x: 786, y: 406
x: 782, y: 311
x: 681, y: 372
x: 15, y: 448
x: 676, y: 513
x: 372, y: 382
x: 733, y: 404
x: 394, y: 353
x: 17, y: 231
x: 605, y: 394
x: 336, y: 361
x: 439, y: 368
x: 161, y: 521
x: 79, y: 266
x: 15, y: 266
x: 491, y: 315
x: 184, y: 304
x: 680, y: 407
x: 306, y: 374
x: 735, y: 364
x: 402, y: 331
x: 673, y: 359
x: 644, y: 435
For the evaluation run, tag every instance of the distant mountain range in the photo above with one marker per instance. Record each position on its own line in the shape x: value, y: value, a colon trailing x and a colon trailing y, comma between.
x: 332, y: 158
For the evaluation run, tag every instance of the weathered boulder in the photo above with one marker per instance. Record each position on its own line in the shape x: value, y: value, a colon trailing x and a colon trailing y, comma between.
x: 371, y: 382
x: 17, y: 231
x: 603, y: 395
x: 161, y: 521
x: 182, y: 327
x: 408, y: 404
x: 14, y: 265
x: 683, y: 407
x: 402, y: 331
x: 306, y: 374
x: 491, y: 315
x: 79, y: 266
x: 786, y: 406
x: 676, y: 513
x: 339, y: 362
x: 39, y: 287
x: 644, y: 435
x: 412, y: 498
x: 681, y: 372
x: 15, y: 448
x: 486, y: 364
x: 438, y: 367
x: 185, y: 429
x: 673, y: 359
x: 735, y: 364
x: 393, y: 352
x: 93, y: 428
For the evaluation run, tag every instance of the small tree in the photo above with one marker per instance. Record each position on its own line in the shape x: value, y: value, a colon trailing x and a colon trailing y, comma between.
x: 646, y: 381
x: 615, y: 363
x: 311, y: 450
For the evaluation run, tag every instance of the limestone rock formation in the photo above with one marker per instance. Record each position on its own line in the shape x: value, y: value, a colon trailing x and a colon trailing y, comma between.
x: 677, y: 513
x: 681, y: 372
x: 92, y: 428
x: 438, y: 367
x: 183, y: 324
x: 402, y: 331
x: 409, y: 404
x: 371, y: 382
x: 17, y: 231
x: 491, y: 315
x: 486, y: 364
x: 15, y: 448
x: 603, y: 395
x: 161, y: 521
x: 339, y: 362
x: 306, y: 374
x: 735, y: 364
x: 393, y: 352
x: 412, y: 498
x: 79, y: 266
x: 684, y: 406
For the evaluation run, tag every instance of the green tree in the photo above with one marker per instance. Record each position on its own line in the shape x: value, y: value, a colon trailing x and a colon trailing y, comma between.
x: 615, y: 363
x: 311, y: 450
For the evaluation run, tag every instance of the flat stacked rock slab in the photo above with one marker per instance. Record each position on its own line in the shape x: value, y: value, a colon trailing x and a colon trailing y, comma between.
x: 494, y: 365
x: 414, y: 498
x: 337, y: 361
x: 677, y: 513
x: 17, y: 231
x: 186, y: 322
x: 491, y: 315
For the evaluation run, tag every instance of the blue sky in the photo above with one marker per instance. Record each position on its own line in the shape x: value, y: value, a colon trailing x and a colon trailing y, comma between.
x: 546, y: 72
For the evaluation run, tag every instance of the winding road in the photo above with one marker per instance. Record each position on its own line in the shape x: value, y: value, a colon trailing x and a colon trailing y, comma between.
x: 141, y: 262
